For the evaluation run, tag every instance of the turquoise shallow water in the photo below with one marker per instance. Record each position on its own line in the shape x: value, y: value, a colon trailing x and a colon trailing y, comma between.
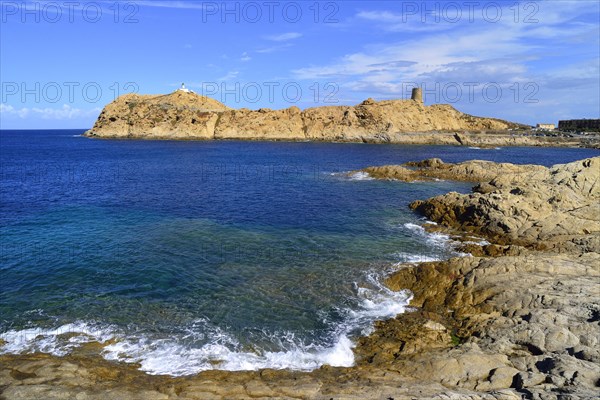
x: 198, y: 255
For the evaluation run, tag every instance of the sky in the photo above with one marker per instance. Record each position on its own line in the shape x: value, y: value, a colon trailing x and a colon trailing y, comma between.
x: 532, y: 62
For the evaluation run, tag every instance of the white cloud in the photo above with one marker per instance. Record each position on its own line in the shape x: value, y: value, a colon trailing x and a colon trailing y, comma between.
x: 284, y: 37
x: 468, y: 50
x: 245, y: 57
x: 272, y: 49
x: 229, y: 76
x: 438, y: 16
x: 64, y: 113
x: 8, y: 110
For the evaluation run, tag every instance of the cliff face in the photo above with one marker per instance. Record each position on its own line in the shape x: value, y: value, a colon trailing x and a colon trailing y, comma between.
x: 181, y: 115
x: 178, y: 115
x: 264, y: 124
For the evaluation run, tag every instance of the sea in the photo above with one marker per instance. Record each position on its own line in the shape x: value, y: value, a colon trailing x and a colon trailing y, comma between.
x: 186, y: 256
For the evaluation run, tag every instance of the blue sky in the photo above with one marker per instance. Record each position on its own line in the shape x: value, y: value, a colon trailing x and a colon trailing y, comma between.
x: 529, y: 61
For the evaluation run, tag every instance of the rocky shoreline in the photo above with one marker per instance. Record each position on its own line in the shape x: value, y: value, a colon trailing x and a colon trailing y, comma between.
x: 518, y: 319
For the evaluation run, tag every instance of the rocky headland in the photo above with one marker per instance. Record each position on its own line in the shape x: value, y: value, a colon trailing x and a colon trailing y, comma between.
x: 519, y: 319
x: 188, y: 116
x: 525, y: 205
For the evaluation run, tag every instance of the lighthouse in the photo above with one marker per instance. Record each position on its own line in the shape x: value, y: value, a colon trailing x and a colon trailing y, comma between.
x: 184, y: 89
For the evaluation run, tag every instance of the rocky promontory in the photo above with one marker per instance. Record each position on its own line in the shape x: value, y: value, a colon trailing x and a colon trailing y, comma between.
x: 434, y: 168
x: 527, y: 205
x: 538, y: 208
x: 520, y: 319
x: 186, y: 115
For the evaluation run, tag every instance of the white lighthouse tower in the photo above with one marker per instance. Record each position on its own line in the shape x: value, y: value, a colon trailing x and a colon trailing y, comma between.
x: 184, y: 89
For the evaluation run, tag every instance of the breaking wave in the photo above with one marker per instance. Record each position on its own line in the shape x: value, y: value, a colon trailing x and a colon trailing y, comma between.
x: 177, y: 355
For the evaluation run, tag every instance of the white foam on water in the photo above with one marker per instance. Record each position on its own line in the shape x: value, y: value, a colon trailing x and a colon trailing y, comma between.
x: 177, y: 355
x: 58, y: 341
x: 169, y: 357
x: 353, y: 176
x: 479, y: 148
x: 438, y: 240
x: 360, y: 176
x: 434, y: 239
x: 377, y: 302
x: 224, y: 352
x: 481, y: 242
x: 404, y: 257
x: 204, y: 346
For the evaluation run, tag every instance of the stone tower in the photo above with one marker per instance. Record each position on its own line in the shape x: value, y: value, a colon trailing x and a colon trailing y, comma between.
x: 417, y: 95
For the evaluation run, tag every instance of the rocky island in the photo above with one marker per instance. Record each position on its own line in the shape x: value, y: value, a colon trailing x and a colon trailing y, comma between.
x: 517, y: 319
x: 184, y: 115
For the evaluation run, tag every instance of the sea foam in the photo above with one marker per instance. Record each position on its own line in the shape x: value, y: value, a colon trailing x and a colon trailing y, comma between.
x: 360, y: 176
x: 177, y: 356
x: 57, y: 341
x: 174, y: 357
x: 204, y: 346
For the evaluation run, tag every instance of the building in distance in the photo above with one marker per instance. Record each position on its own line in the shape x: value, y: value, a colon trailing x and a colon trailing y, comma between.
x: 545, y: 127
x: 579, y: 125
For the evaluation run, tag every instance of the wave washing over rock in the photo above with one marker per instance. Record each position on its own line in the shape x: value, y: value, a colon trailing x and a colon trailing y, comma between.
x: 186, y: 115
x: 176, y: 357
x: 172, y: 357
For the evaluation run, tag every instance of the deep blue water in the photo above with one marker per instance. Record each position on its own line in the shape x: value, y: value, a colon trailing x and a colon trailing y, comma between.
x: 196, y: 255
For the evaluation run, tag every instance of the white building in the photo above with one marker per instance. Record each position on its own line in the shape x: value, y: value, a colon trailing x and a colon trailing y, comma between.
x: 545, y: 127
x: 184, y: 89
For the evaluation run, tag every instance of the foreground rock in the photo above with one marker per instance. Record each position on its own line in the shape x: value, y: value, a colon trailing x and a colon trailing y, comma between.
x: 522, y: 324
x: 528, y: 322
x: 542, y: 208
x: 527, y: 205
